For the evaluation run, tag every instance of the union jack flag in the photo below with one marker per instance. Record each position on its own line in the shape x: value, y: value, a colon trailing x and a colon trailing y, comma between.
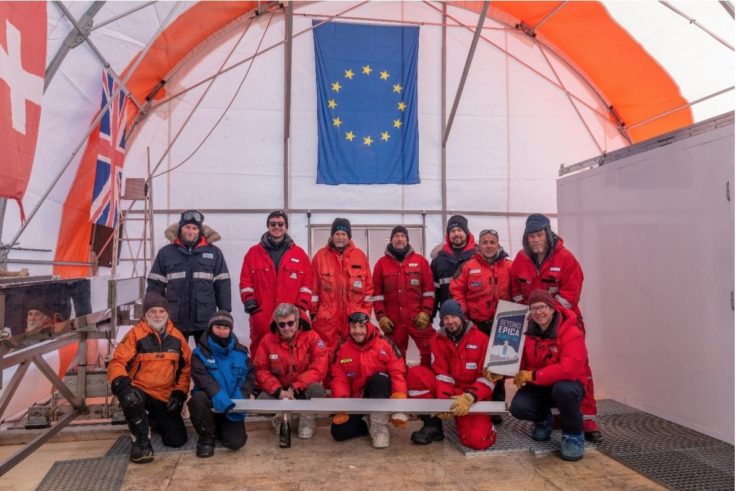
x: 110, y: 157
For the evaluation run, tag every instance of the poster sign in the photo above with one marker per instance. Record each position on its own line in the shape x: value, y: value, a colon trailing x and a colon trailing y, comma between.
x: 506, y: 343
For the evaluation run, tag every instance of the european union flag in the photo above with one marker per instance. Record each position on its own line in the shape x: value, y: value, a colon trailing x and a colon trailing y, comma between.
x: 367, y: 104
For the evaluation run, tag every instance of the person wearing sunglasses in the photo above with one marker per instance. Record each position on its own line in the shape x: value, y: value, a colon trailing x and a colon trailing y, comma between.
x: 192, y: 274
x: 545, y: 263
x: 291, y: 363
x: 404, y: 295
x: 274, y: 271
x: 552, y: 374
x: 367, y: 365
x: 484, y: 280
x: 343, y: 284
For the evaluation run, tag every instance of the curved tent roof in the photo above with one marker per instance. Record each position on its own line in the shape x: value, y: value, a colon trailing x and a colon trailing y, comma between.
x: 550, y: 83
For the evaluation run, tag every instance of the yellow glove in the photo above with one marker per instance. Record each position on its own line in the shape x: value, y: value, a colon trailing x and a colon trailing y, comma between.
x: 445, y: 416
x: 386, y: 325
x: 340, y: 418
x: 493, y: 377
x: 462, y: 404
x: 523, y: 377
x: 421, y: 321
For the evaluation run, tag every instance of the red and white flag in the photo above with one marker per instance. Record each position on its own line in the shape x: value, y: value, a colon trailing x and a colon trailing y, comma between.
x: 22, y: 67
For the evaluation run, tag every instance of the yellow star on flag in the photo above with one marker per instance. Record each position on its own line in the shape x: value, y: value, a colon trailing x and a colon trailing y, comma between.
x: 385, y: 136
x: 332, y: 103
x: 367, y: 70
x: 397, y: 123
x: 349, y: 74
x: 349, y: 136
x: 402, y: 106
x: 367, y: 140
x: 336, y: 122
x: 397, y: 88
x: 384, y: 75
x: 336, y: 86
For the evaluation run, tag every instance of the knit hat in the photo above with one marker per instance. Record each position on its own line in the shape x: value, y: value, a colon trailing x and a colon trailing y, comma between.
x: 536, y: 222
x: 154, y: 299
x: 451, y: 307
x: 541, y: 296
x: 341, y: 224
x: 399, y: 229
x: 457, y: 221
x: 193, y: 217
x: 221, y: 318
x: 279, y: 214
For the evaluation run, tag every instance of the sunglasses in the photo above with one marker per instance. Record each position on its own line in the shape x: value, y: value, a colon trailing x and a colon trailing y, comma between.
x: 192, y: 215
x: 283, y: 324
x: 276, y: 224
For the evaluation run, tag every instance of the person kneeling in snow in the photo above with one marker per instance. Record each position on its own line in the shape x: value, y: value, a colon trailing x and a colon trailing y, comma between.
x: 221, y: 372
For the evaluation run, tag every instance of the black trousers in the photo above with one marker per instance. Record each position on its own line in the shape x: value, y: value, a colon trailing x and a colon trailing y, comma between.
x: 533, y: 402
x: 169, y: 426
x: 208, y: 424
x: 378, y: 386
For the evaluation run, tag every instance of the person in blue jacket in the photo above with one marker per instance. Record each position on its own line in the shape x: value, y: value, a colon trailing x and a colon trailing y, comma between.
x: 221, y: 372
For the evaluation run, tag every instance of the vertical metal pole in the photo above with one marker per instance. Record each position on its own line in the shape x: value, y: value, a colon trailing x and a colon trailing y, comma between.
x: 309, y: 233
x: 443, y: 104
x: 289, y: 24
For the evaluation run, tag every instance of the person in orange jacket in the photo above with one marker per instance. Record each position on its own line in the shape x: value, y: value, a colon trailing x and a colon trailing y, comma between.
x: 342, y: 284
x: 149, y: 374
x: 367, y: 365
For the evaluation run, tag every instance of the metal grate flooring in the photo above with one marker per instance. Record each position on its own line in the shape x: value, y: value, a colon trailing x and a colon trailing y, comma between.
x: 674, y: 456
x: 99, y: 474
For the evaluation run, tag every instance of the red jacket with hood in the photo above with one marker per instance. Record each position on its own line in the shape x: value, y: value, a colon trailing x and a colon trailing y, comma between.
x: 402, y: 289
x: 480, y: 285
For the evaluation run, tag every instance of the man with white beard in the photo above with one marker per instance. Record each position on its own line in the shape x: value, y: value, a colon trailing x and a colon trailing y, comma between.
x: 150, y: 373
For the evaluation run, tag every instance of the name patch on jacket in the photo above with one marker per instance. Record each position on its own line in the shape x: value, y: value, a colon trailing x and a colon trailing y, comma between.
x: 294, y: 260
x: 553, y: 349
x: 350, y: 374
x: 208, y: 255
x: 471, y: 346
x: 471, y: 365
x: 292, y: 276
x: 474, y: 271
x: 357, y: 284
x: 320, y: 344
x: 346, y: 360
x: 273, y: 356
x: 413, y: 265
x: 555, y: 269
x: 414, y: 282
x: 476, y: 283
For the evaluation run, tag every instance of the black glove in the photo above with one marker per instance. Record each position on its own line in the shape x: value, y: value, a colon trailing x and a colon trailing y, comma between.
x: 176, y: 402
x: 251, y: 306
x: 121, y: 386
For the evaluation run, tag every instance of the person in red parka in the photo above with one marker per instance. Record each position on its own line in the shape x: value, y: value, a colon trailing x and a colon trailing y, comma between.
x: 367, y: 365
x: 545, y: 263
x: 291, y: 363
x: 342, y: 284
x: 274, y: 271
x: 484, y: 280
x: 459, y: 246
x: 457, y: 373
x: 404, y: 295
x: 552, y: 374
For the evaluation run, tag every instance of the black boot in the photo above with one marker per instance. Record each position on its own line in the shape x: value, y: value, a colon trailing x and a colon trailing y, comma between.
x: 430, y: 432
x: 205, y: 446
x: 141, y: 450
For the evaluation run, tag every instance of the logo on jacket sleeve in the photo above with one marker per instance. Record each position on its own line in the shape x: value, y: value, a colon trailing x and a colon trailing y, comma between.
x: 471, y: 346
x: 471, y: 366
x: 320, y: 344
x: 273, y: 356
x: 208, y: 255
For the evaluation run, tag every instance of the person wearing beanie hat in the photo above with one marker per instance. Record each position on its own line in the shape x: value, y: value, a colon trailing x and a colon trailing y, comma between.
x: 545, y: 263
x: 291, y: 343
x: 458, y: 248
x: 149, y: 373
x: 552, y: 374
x: 274, y: 270
x: 192, y: 275
x: 38, y: 316
x: 221, y: 372
x: 343, y: 284
x: 456, y: 373
x: 404, y: 295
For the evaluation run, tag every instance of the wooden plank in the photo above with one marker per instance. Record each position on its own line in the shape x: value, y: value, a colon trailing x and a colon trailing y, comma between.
x: 361, y: 406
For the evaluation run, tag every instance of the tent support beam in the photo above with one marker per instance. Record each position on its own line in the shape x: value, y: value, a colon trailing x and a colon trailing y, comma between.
x: 310, y: 212
x: 443, y: 103
x: 680, y: 108
x: 85, y: 34
x: 548, y: 16
x: 120, y: 16
x: 288, y: 36
x: 72, y: 40
x: 728, y: 6
x: 697, y: 24
x: 466, y: 69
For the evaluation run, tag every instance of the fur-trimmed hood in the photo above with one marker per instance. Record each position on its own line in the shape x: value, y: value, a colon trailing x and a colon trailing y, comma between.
x: 209, y: 233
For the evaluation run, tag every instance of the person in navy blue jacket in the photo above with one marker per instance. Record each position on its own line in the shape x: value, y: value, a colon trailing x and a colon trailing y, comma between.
x: 221, y: 372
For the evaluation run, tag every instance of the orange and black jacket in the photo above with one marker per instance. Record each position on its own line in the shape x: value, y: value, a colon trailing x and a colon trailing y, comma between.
x: 155, y: 364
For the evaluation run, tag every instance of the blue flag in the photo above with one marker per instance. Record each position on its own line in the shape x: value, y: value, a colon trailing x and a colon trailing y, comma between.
x: 367, y: 104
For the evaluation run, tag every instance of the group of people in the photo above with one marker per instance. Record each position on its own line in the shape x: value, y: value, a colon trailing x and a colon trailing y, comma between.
x: 311, y: 330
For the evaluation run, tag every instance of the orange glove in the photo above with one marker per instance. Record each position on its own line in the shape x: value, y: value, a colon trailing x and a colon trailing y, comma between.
x: 462, y: 404
x: 490, y: 376
x: 340, y: 418
x: 386, y: 325
x: 445, y: 416
x: 422, y: 320
x: 523, y: 377
x: 398, y: 395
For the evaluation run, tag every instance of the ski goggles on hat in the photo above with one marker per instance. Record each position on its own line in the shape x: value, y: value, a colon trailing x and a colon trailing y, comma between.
x: 488, y: 231
x: 192, y: 216
x: 360, y: 317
